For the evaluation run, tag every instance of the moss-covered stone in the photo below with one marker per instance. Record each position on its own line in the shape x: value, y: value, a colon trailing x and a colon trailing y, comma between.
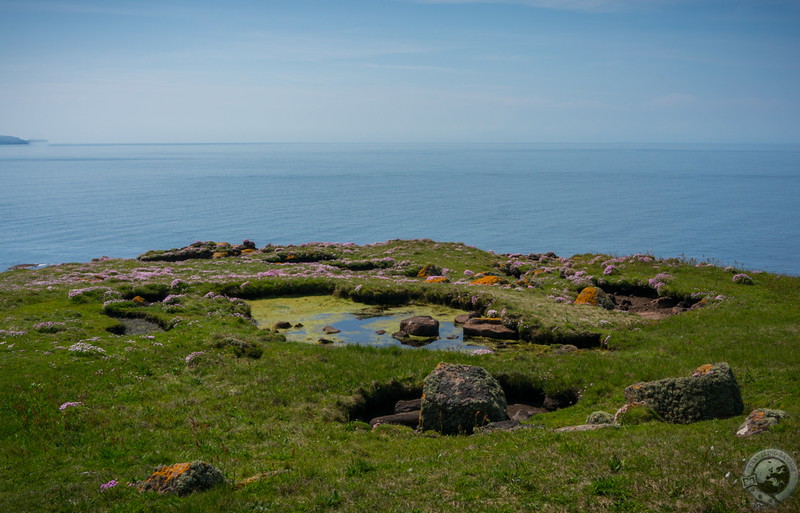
x: 458, y: 398
x: 711, y: 392
x: 600, y: 417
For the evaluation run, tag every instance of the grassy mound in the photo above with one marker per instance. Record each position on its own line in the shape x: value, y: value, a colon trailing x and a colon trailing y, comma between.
x: 84, y: 403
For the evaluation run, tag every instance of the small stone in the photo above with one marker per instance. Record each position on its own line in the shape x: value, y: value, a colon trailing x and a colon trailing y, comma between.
x: 600, y: 417
x: 330, y: 330
x: 282, y: 325
x: 408, y: 418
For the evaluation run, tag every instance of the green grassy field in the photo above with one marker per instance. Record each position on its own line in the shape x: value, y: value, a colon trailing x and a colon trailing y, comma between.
x: 254, y: 404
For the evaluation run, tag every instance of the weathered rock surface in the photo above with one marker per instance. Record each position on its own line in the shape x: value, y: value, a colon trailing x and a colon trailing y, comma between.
x: 407, y: 418
x: 330, y: 330
x: 523, y: 411
x: 403, y: 406
x: 183, y: 478
x: 490, y: 328
x: 463, y: 318
x: 458, y: 398
x: 711, y: 392
x: 420, y: 326
x: 759, y: 421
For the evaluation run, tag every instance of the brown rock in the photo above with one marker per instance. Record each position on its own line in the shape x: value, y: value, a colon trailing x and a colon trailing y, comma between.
x: 420, y: 326
x: 490, y: 328
x: 330, y: 330
x: 523, y: 411
x: 282, y: 325
x: 409, y: 405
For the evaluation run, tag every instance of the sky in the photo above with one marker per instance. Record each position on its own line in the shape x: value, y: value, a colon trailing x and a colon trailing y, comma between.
x: 543, y: 71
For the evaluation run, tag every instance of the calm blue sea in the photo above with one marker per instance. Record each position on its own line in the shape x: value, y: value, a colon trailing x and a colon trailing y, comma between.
x: 728, y: 204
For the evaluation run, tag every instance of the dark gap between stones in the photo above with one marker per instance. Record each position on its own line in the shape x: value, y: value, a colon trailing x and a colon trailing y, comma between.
x: 399, y: 403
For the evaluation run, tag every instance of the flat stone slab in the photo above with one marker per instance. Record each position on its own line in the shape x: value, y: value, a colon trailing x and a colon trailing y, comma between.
x: 489, y: 328
x: 586, y: 427
x: 408, y: 418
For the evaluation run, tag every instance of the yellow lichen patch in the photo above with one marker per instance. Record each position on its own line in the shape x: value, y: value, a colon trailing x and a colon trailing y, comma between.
x: 248, y: 251
x: 223, y: 245
x: 703, y: 370
x: 486, y: 280
x: 219, y: 254
x: 437, y: 279
x: 539, y: 271
x: 588, y: 296
x: 138, y: 299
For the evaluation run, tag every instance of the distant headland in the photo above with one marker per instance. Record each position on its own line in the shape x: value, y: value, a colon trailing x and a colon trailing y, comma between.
x: 7, y: 139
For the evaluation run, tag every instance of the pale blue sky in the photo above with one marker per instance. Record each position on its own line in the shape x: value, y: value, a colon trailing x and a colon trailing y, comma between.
x: 401, y: 70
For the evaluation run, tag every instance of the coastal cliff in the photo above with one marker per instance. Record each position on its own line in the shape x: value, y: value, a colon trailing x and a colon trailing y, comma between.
x: 7, y: 139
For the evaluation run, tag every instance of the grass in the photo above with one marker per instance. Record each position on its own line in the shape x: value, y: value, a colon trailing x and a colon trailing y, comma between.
x: 282, y: 418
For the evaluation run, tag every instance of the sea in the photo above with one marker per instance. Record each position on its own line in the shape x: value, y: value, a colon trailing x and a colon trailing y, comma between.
x: 735, y: 205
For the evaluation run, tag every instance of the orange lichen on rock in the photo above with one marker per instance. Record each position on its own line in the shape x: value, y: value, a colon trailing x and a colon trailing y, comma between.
x: 437, y: 279
x: 594, y: 296
x: 428, y: 271
x: 588, y: 296
x: 486, y: 280
x: 159, y: 479
x: 248, y: 251
x: 138, y: 299
x: 703, y: 370
x: 219, y: 254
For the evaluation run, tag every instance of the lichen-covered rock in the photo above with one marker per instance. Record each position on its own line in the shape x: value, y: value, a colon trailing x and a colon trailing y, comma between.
x: 594, y: 296
x: 711, y: 392
x: 429, y: 270
x: 458, y: 398
x: 183, y: 478
x: 420, y: 326
x: 600, y: 417
x: 759, y: 421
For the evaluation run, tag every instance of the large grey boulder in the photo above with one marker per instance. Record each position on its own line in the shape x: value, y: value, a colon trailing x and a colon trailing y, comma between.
x: 711, y: 392
x: 458, y: 398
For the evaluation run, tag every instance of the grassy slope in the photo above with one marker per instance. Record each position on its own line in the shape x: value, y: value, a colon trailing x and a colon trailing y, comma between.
x: 144, y: 406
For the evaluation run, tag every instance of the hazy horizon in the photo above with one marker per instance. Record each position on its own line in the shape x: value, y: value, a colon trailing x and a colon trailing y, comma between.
x: 406, y: 71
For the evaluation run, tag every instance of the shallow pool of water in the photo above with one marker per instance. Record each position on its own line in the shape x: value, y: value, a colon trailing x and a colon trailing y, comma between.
x: 358, y: 323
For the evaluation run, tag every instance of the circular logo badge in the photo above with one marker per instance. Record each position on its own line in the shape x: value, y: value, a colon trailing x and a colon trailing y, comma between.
x: 770, y: 476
